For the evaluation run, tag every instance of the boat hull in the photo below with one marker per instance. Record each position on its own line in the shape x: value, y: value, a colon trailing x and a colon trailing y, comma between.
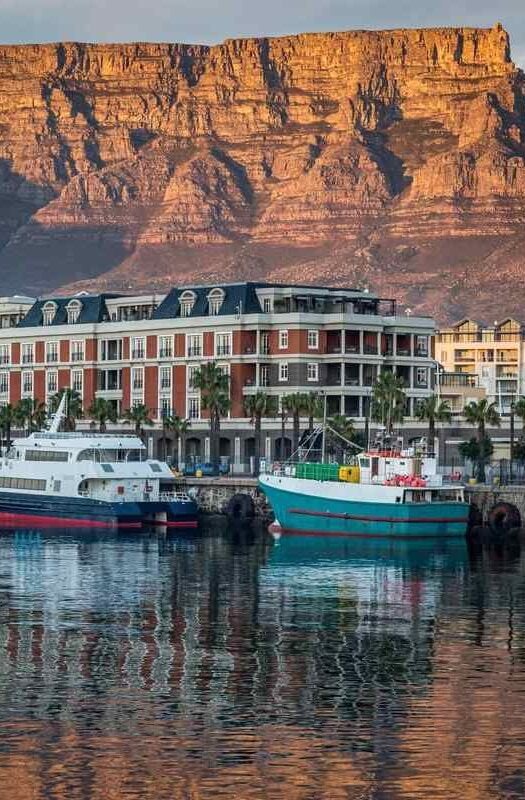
x: 315, y: 508
x: 23, y: 508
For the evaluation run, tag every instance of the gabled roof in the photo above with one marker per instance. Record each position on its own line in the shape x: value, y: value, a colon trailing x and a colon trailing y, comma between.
x: 238, y: 297
x: 93, y: 309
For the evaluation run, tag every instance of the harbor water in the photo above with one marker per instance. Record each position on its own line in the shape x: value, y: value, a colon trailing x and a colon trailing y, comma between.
x: 230, y: 665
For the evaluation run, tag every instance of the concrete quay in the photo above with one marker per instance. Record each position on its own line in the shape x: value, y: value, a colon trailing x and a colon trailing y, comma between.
x: 222, y: 495
x: 486, y: 497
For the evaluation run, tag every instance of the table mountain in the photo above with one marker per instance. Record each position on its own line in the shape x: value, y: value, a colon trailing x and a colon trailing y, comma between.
x: 393, y: 159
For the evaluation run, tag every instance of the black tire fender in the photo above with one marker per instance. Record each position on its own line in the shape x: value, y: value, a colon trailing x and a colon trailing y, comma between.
x: 240, y: 506
x: 503, y: 517
x: 475, y: 518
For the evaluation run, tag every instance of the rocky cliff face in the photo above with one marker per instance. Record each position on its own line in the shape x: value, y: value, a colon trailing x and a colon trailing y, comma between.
x: 391, y: 158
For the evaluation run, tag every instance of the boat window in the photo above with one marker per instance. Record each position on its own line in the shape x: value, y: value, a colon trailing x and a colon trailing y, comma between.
x: 365, y: 463
x: 155, y: 467
x: 46, y: 455
x: 107, y: 467
x: 118, y: 455
x: 31, y: 484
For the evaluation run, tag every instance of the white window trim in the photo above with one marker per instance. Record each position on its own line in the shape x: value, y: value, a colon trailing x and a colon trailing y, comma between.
x: 25, y: 392
x: 7, y: 347
x: 193, y: 398
x: 51, y: 392
x: 169, y: 371
x: 168, y: 338
x: 316, y: 345
x: 229, y: 336
x: 282, y: 364
x: 283, y: 334
x: 6, y: 374
x: 188, y: 339
x: 136, y: 350
x: 315, y: 379
x: 72, y: 382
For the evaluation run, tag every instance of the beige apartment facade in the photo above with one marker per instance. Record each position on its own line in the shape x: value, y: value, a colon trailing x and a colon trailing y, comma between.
x: 491, y: 357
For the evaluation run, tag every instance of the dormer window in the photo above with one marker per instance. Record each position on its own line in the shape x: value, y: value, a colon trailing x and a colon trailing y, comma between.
x: 74, y: 308
x: 187, y: 301
x: 48, y: 313
x: 215, y: 301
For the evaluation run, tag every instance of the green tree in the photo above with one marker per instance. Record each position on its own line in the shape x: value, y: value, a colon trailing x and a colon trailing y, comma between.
x: 214, y: 386
x: 482, y: 414
x: 73, y: 411
x: 179, y: 427
x: 23, y: 414
x: 519, y: 409
x: 313, y: 408
x: 102, y: 411
x: 477, y: 451
x: 388, y: 400
x: 433, y: 410
x: 344, y: 426
x: 518, y: 451
x: 296, y: 406
x: 7, y: 421
x: 257, y: 406
x: 138, y: 415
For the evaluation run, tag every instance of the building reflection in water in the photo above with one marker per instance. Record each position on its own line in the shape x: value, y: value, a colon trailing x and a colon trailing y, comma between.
x: 151, y: 668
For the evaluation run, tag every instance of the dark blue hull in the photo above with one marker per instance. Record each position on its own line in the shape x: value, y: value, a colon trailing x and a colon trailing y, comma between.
x: 24, y: 507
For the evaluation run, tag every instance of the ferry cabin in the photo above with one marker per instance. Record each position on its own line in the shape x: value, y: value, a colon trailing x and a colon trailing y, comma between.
x: 100, y: 467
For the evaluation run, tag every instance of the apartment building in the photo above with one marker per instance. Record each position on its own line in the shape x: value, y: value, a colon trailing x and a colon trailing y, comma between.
x: 494, y: 355
x: 277, y: 338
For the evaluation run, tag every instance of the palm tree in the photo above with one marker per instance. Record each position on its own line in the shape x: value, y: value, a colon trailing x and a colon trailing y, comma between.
x: 138, y: 415
x: 180, y: 427
x: 313, y: 408
x: 482, y: 413
x: 295, y: 405
x: 7, y: 420
x: 433, y: 410
x: 23, y: 414
x: 73, y: 407
x: 388, y: 400
x: 38, y: 416
x: 102, y: 411
x: 257, y: 406
x: 214, y: 385
x: 519, y: 409
x: 284, y: 416
x: 343, y: 425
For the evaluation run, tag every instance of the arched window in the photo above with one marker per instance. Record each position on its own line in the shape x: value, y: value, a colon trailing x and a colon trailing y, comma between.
x: 187, y: 301
x: 74, y: 307
x: 215, y: 301
x: 48, y: 313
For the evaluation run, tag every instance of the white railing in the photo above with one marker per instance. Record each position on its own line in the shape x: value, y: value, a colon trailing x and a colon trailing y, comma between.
x: 173, y: 497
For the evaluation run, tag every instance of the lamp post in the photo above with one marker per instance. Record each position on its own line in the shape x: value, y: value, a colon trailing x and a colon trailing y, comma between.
x: 512, y: 410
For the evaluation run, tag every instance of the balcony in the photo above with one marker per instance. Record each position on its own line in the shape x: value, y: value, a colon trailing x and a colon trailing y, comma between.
x: 370, y: 349
x: 194, y: 352
x: 224, y: 350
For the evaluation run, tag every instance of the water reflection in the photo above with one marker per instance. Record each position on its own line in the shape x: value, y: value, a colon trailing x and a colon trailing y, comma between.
x: 233, y: 666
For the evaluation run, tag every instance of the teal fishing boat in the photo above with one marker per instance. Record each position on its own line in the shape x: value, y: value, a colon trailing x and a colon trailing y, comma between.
x: 386, y: 494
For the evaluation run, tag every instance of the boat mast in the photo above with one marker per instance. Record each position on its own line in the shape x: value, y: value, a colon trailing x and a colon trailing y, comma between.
x: 59, y: 414
x: 323, y: 448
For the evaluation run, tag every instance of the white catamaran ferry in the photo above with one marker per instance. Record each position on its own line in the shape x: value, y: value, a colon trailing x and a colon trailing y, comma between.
x: 89, y: 480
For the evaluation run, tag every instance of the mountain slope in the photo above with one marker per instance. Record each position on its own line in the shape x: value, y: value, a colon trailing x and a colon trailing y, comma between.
x: 389, y: 158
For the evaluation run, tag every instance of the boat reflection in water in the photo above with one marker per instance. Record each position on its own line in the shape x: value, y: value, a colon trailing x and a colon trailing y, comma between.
x: 234, y: 666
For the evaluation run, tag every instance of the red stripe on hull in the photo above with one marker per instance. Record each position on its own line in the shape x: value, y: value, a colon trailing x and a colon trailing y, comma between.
x: 174, y: 523
x: 7, y: 518
x: 342, y: 515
